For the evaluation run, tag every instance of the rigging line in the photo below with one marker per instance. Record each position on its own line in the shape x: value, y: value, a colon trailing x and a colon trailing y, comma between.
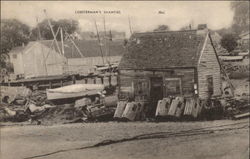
x: 51, y: 45
x: 78, y: 50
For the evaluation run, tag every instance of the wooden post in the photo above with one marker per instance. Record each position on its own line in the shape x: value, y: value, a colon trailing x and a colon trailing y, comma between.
x: 94, y: 80
x: 50, y: 84
x: 109, y: 80
x: 73, y: 79
x: 61, y: 83
x: 102, y: 80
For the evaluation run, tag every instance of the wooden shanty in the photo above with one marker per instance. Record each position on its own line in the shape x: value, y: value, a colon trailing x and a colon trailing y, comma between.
x: 158, y: 65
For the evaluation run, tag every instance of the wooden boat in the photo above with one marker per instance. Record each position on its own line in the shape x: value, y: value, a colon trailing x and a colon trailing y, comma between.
x: 73, y: 91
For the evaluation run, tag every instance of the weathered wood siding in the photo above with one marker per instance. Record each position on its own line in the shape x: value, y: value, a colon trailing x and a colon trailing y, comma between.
x: 208, y: 65
x: 128, y: 82
x: 87, y: 64
x: 40, y: 60
x: 17, y: 60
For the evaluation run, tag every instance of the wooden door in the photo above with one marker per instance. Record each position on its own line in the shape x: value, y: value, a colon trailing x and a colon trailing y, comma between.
x: 210, y: 85
x: 156, y: 93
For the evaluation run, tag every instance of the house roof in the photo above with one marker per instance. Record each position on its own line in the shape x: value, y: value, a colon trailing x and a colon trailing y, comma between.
x: 163, y: 50
x: 20, y: 49
x: 17, y: 49
x: 89, y: 48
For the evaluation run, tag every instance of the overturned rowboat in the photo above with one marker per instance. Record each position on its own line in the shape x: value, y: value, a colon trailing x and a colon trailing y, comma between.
x: 73, y: 91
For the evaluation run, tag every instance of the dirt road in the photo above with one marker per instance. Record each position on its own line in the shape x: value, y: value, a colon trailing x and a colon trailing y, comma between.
x: 165, y: 140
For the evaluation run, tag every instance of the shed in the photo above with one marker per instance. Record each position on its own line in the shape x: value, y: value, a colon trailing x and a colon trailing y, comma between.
x: 172, y: 63
x: 42, y: 58
x: 244, y: 40
x: 36, y: 60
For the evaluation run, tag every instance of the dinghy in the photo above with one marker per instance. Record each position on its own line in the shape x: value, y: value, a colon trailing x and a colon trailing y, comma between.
x: 73, y: 91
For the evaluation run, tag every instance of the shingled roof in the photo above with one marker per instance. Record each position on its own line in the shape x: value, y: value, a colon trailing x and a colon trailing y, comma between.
x: 163, y: 50
x: 89, y: 48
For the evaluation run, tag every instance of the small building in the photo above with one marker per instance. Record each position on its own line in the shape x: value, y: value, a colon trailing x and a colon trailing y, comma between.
x: 35, y: 60
x: 172, y: 63
x: 244, y: 40
x: 42, y: 58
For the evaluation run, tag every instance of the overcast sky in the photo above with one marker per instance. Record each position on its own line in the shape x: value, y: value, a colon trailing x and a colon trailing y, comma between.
x: 144, y: 15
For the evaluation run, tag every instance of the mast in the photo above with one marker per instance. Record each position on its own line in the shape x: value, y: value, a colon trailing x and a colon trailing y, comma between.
x: 38, y: 30
x: 105, y: 40
x: 61, y: 31
x: 130, y: 28
x: 39, y: 38
x: 99, y: 41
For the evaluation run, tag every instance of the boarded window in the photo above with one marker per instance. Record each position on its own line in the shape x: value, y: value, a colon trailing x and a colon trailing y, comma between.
x: 173, y: 86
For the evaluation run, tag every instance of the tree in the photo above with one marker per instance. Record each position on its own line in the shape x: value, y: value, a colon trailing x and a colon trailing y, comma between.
x: 13, y: 33
x: 68, y: 25
x: 241, y: 16
x: 229, y: 42
x: 162, y: 28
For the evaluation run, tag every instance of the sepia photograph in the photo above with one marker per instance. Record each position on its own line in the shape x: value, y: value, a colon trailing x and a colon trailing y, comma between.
x: 124, y: 80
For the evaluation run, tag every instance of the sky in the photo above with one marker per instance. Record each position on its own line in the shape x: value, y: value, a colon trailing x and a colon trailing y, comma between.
x: 144, y: 15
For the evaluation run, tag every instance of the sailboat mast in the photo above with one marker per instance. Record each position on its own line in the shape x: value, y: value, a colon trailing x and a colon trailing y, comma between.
x: 98, y: 37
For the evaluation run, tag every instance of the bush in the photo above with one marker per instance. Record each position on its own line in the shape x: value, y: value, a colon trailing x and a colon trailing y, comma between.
x: 229, y: 42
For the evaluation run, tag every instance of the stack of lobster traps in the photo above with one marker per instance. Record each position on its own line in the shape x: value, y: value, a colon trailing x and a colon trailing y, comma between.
x: 171, y: 108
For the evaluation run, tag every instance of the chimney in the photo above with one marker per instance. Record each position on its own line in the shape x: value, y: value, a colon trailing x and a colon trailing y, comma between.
x: 202, y: 29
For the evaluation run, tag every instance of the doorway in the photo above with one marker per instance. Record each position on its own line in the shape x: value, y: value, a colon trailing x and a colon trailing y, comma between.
x: 156, y: 93
x: 210, y: 85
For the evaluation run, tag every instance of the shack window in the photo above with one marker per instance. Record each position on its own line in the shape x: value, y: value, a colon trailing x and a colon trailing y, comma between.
x: 173, y: 86
x: 210, y: 85
x: 126, y: 90
x: 14, y: 56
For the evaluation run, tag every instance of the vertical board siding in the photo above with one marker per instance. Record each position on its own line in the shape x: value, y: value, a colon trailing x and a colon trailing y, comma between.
x: 209, y: 66
x: 87, y: 64
x: 40, y: 60
x: 128, y: 77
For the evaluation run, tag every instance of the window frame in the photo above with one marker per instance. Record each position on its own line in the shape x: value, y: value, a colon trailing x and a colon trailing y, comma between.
x: 166, y: 79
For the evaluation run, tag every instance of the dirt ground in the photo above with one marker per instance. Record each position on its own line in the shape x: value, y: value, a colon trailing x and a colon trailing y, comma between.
x: 164, y: 140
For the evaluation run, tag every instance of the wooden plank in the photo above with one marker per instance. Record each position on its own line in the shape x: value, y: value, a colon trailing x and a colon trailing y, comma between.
x: 121, y: 105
